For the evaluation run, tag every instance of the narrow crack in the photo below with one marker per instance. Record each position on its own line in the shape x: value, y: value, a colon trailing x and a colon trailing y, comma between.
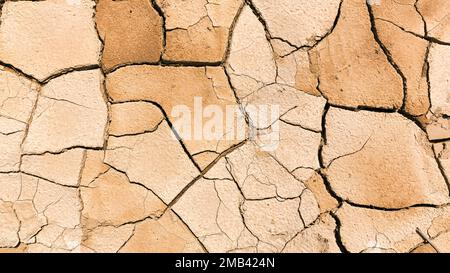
x: 27, y: 128
x: 424, y: 37
x: 192, y: 232
x: 64, y: 150
x: 151, y: 130
x: 372, y: 207
x: 425, y: 26
x: 47, y: 180
x: 426, y: 71
x: 166, y: 118
x: 427, y: 240
x: 164, y: 64
x: 66, y: 71
x: 441, y: 169
x: 160, y: 12
x: 387, y: 53
x: 82, y: 166
x: 189, y: 63
x: 231, y: 32
x: 134, y: 183
x: 336, y: 21
x: 328, y: 187
x: 337, y: 234
x: 349, y: 154
x: 127, y: 240
x: 260, y: 18
x: 204, y: 172
x: 20, y: 72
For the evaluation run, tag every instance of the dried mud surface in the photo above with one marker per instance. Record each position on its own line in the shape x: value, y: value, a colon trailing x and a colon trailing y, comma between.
x: 90, y: 160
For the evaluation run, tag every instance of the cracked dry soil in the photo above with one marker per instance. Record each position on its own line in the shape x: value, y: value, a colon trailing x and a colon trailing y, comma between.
x: 90, y: 162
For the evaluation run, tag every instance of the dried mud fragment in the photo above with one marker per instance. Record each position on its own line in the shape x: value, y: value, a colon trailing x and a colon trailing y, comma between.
x: 93, y: 167
x: 317, y: 186
x: 131, y: 30
x: 260, y: 176
x: 62, y: 168
x: 10, y: 186
x: 9, y: 226
x: 112, y: 200
x: 410, y: 53
x: 251, y: 64
x: 107, y: 239
x: 295, y: 70
x: 302, y: 22
x: 439, y: 121
x: 360, y: 144
x: 17, y: 98
x: 185, y: 94
x: 31, y: 222
x: 318, y: 238
x: 167, y: 234
x: 155, y: 160
x: 401, y: 13
x: 294, y: 106
x: 363, y: 229
x: 435, y: 14
x: 46, y: 37
x: 352, y: 68
x: 217, y: 220
x: 61, y: 205
x: 134, y: 118
x: 273, y: 222
x: 78, y: 97
x: 440, y: 243
x: 198, y: 30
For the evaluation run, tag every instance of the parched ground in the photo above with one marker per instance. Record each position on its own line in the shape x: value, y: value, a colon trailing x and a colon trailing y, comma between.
x: 91, y: 161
